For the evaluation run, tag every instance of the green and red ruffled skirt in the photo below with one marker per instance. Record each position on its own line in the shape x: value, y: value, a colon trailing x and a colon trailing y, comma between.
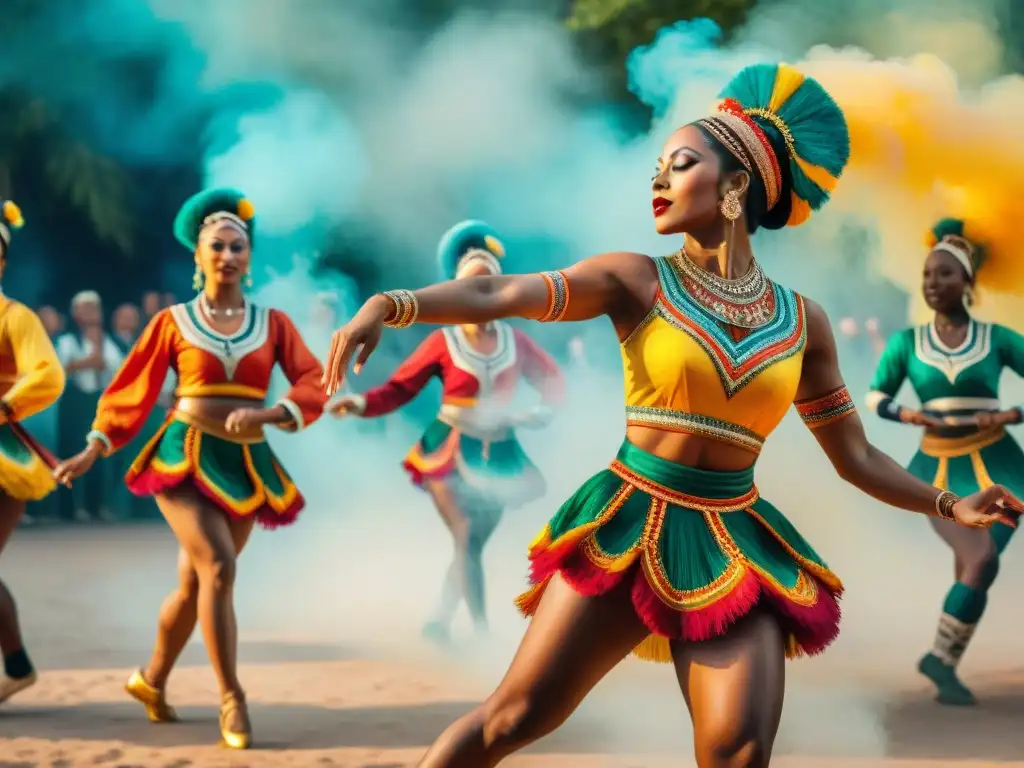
x: 499, y: 470
x: 243, y: 479
x: 699, y: 548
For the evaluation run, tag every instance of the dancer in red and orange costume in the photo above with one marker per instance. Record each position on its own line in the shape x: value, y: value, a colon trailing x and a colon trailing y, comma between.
x: 469, y: 459
x: 209, y: 466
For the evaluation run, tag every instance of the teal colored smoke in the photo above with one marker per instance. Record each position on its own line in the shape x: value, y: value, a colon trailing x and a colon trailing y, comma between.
x: 682, y: 51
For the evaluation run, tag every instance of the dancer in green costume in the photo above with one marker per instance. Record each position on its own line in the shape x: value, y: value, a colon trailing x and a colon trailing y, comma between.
x: 953, y: 364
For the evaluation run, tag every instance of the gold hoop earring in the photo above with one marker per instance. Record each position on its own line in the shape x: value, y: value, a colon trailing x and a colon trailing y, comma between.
x: 198, y: 279
x: 730, y: 206
x: 968, y: 296
x: 248, y: 278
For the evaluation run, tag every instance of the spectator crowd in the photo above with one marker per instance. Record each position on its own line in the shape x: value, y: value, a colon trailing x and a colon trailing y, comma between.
x: 91, y: 351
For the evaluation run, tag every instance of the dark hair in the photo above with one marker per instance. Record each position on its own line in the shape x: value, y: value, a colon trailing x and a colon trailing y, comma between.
x: 756, y: 209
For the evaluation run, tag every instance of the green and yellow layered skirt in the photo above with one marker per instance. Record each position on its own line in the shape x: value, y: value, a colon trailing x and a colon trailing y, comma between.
x: 24, y: 473
x: 240, y: 475
x: 700, y: 549
x: 496, y: 469
x: 968, y: 464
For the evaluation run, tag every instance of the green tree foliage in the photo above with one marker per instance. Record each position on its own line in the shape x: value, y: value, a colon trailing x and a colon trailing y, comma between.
x: 609, y: 29
x: 34, y: 141
x: 38, y: 140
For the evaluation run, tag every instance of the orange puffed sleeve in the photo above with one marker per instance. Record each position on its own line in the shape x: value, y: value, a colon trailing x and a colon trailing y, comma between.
x: 128, y: 399
x: 306, y: 399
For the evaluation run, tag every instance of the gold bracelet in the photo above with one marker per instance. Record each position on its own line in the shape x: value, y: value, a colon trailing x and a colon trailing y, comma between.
x: 944, y: 504
x: 407, y: 308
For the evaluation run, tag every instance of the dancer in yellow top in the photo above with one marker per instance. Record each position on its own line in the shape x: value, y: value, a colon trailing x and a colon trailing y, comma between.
x: 672, y: 552
x: 31, y: 380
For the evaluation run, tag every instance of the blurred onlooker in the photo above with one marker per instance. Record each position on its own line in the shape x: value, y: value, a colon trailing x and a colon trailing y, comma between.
x: 873, y: 329
x: 90, y: 357
x: 168, y: 299
x: 43, y: 425
x: 125, y: 326
x: 151, y: 304
x: 53, y: 321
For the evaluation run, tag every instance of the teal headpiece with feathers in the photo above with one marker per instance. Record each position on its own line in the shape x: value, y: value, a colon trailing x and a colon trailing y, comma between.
x: 210, y: 207
x: 468, y: 242
x: 786, y: 128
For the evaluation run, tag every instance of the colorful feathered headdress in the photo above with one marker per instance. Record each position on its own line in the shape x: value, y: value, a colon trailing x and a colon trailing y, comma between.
x: 769, y: 106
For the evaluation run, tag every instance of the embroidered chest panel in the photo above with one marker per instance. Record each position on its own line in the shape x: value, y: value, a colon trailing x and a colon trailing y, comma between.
x: 230, y: 350
x: 484, y: 368
x: 931, y: 351
x: 737, y: 359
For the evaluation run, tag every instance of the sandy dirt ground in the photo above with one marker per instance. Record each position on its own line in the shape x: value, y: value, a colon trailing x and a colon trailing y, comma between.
x: 337, y: 694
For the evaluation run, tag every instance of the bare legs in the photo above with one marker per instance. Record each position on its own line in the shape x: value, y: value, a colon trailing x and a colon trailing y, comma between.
x: 18, y: 670
x: 180, y: 610
x: 471, y: 523
x: 571, y: 644
x: 733, y: 686
x: 976, y: 565
x: 210, y: 544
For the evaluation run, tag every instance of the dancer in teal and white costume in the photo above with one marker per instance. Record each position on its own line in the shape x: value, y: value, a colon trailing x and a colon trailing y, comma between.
x: 953, y: 364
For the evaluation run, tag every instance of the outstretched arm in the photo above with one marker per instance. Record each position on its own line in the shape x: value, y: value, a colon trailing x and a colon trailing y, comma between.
x: 406, y: 382
x: 601, y: 285
x: 825, y: 406
x: 620, y: 285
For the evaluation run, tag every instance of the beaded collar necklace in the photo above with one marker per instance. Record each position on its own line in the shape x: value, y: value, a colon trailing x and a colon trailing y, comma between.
x: 746, y: 302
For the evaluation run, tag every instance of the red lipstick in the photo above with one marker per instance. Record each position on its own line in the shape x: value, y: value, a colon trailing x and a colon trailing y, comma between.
x: 661, y: 205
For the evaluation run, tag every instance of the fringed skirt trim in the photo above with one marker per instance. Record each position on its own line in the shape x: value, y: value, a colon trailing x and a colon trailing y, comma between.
x: 243, y: 479
x: 500, y: 470
x: 24, y: 475
x: 700, y: 549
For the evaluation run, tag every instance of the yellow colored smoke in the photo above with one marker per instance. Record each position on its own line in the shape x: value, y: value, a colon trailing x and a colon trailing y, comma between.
x: 924, y: 146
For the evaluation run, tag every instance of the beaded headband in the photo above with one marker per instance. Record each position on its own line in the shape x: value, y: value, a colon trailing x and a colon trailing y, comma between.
x: 735, y: 129
x: 478, y: 256
x: 228, y: 218
x: 959, y: 248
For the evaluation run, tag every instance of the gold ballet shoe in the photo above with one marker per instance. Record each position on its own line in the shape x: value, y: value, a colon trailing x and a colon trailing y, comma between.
x: 157, y: 708
x: 233, y: 706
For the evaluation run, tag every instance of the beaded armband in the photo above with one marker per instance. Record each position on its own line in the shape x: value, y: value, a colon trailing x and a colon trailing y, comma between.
x: 827, y: 409
x: 558, y: 296
x: 407, y: 308
x: 944, y: 504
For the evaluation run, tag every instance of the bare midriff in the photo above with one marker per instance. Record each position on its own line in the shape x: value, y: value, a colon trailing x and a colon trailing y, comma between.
x: 210, y: 413
x: 691, y: 450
